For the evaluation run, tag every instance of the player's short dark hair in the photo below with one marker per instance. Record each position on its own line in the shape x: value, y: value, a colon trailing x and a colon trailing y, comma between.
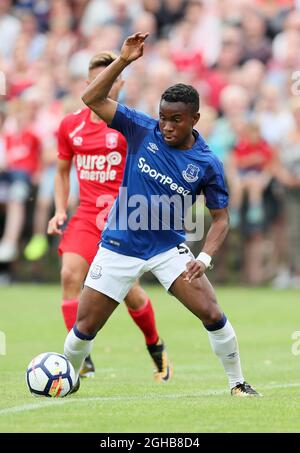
x: 102, y: 59
x: 182, y: 93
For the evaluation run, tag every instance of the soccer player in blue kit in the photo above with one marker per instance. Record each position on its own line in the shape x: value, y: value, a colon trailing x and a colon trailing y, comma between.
x: 166, y: 157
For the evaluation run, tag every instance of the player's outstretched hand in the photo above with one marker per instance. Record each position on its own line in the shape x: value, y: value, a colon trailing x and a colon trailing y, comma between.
x: 55, y: 224
x: 194, y: 269
x: 133, y: 47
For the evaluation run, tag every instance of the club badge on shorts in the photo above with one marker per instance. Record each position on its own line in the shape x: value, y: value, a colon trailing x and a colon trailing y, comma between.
x: 111, y: 140
x: 96, y: 271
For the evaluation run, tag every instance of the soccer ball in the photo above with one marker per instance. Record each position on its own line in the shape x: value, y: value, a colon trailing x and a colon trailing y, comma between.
x: 50, y: 374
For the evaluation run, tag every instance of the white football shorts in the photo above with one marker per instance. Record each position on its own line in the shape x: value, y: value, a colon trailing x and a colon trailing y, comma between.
x: 114, y: 274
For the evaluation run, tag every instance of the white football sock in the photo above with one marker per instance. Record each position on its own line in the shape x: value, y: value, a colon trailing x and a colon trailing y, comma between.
x: 76, y: 350
x: 224, y: 343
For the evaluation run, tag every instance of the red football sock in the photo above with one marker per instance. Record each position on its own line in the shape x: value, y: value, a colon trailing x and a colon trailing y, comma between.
x: 69, y: 309
x: 145, y: 319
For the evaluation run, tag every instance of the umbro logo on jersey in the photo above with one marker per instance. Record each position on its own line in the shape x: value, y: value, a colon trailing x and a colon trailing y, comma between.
x: 152, y: 147
x: 77, y: 141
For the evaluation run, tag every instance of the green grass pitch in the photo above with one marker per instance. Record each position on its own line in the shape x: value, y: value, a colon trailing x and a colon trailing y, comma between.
x: 123, y: 396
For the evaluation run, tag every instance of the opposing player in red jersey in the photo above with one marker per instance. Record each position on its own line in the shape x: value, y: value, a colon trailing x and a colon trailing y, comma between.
x: 99, y: 154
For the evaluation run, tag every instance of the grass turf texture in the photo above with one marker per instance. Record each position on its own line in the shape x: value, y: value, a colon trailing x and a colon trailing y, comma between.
x: 123, y: 396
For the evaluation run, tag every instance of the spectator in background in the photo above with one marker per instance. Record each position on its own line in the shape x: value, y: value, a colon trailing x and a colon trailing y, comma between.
x: 102, y: 12
x: 248, y: 179
x: 205, y: 29
x: 50, y: 114
x: 286, y: 60
x: 257, y: 44
x: 40, y: 8
x: 231, y: 11
x: 221, y: 74
x: 122, y: 16
x: 21, y: 74
x: 251, y: 77
x: 9, y: 29
x: 250, y: 169
x: 246, y: 174
x: 234, y: 104
x: 184, y: 53
x: 275, y: 12
x: 290, y: 158
x: 61, y: 41
x: 274, y: 119
x: 34, y: 41
x: 99, y: 39
x: 167, y: 13
x: 23, y: 159
x: 145, y: 21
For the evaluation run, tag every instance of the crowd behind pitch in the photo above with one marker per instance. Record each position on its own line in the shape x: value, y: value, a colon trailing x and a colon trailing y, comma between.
x: 242, y: 56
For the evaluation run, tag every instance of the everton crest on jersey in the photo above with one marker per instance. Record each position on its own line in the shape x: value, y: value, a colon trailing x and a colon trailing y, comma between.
x: 191, y: 173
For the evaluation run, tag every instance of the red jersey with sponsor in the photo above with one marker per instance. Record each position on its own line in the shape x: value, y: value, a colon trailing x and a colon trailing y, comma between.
x: 99, y: 156
x: 23, y: 151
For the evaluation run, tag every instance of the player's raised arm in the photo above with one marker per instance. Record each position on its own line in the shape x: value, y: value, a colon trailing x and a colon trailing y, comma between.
x: 96, y: 94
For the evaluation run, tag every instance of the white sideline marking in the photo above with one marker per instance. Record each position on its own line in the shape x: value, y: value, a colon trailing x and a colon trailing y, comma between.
x: 59, y: 402
x: 53, y: 402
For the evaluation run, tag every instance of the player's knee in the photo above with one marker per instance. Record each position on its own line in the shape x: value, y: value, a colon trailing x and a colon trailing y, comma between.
x: 69, y: 278
x: 211, y: 315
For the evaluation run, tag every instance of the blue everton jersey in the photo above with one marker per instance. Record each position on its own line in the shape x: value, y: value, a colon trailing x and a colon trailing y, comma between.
x: 147, y: 217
